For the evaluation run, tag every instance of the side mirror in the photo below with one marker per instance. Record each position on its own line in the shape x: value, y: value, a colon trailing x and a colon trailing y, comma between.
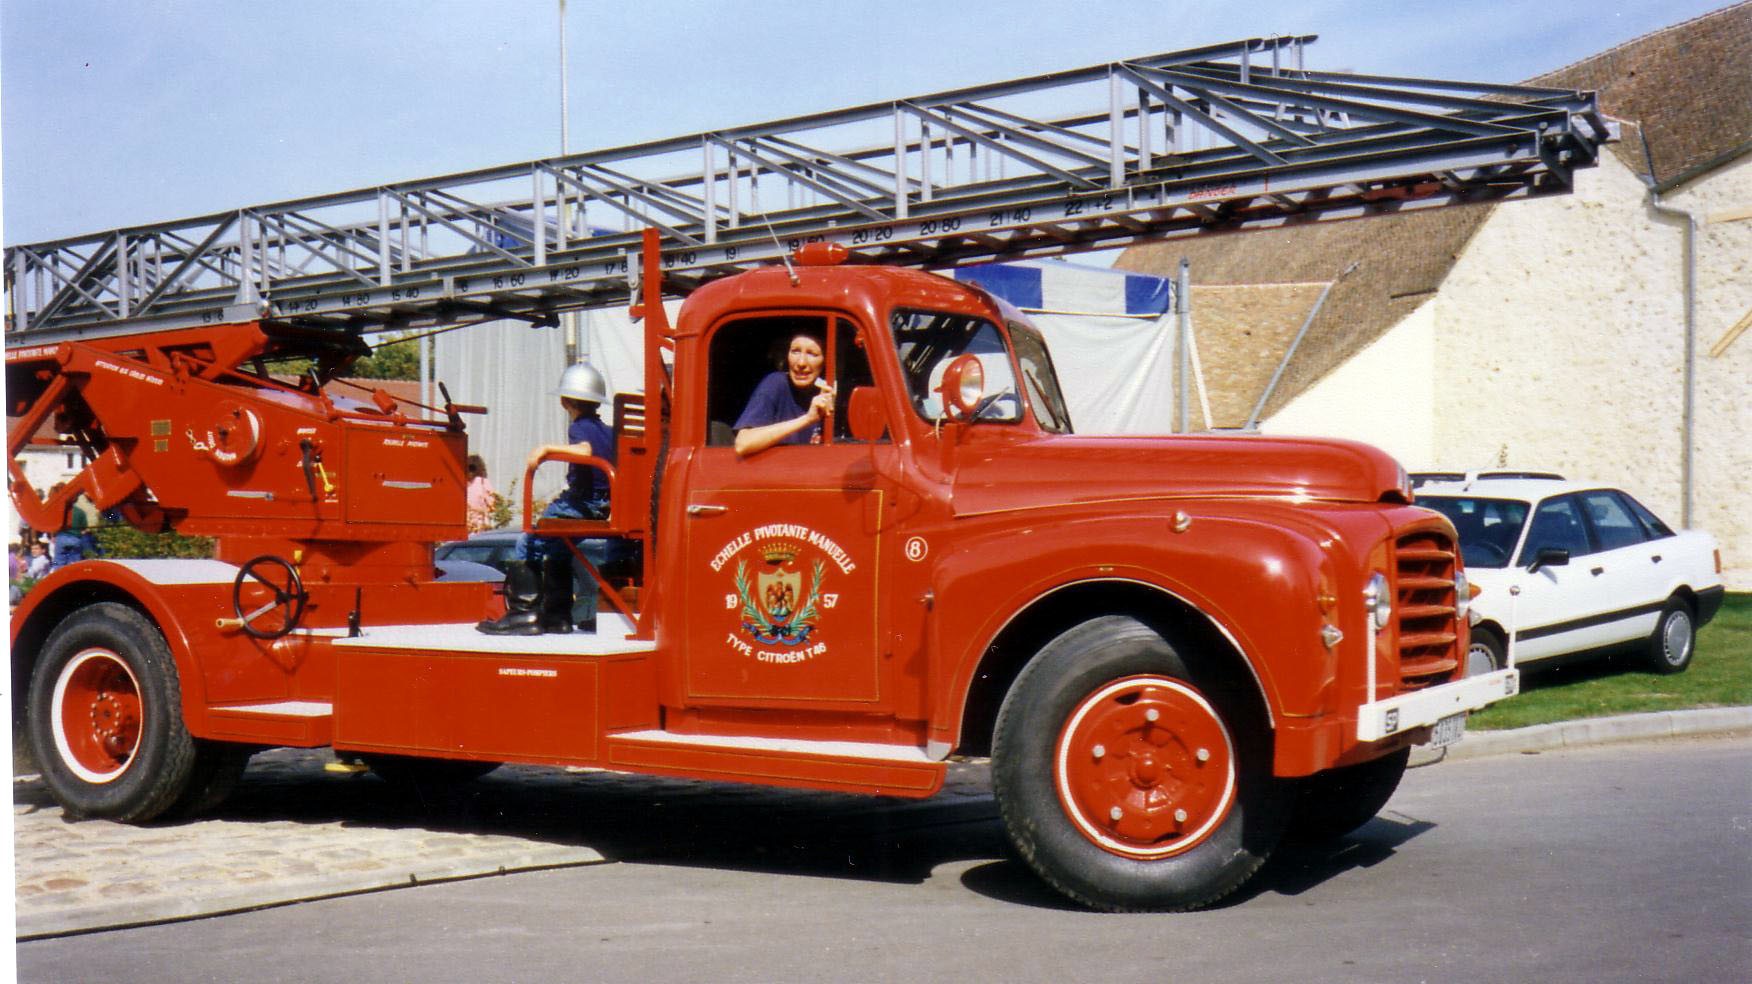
x: 864, y: 415
x: 1548, y: 557
x: 963, y: 386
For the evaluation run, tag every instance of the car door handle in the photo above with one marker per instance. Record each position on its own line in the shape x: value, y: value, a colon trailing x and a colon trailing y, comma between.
x: 1656, y: 558
x: 1596, y: 571
x: 707, y: 510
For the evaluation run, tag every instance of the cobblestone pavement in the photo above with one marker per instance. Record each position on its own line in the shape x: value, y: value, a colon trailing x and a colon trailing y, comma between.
x: 293, y: 832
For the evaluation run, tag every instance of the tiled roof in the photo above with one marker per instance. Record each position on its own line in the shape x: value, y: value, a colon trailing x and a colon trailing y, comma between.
x: 1687, y: 84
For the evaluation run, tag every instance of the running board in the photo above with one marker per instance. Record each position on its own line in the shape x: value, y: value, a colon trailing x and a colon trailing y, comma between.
x: 844, y: 766
x: 298, y: 723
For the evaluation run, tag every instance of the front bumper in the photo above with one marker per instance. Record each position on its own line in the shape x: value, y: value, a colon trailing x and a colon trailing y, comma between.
x: 1421, y: 708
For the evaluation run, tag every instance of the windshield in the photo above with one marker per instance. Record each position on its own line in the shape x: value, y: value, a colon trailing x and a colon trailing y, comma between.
x: 929, y: 340
x: 1488, y: 528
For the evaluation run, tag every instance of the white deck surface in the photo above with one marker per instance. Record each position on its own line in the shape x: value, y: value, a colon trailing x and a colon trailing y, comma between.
x: 610, y: 639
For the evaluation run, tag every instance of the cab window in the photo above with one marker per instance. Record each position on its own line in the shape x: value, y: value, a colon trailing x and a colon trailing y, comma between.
x: 745, y: 351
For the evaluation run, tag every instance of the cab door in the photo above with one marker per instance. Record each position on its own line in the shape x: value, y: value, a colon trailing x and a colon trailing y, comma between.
x: 784, y: 548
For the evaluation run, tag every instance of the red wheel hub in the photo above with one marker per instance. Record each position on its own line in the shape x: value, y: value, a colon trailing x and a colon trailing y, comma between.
x: 1144, y: 767
x: 96, y: 715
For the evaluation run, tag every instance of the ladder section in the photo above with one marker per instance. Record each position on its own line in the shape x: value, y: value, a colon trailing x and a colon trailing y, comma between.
x: 1224, y: 137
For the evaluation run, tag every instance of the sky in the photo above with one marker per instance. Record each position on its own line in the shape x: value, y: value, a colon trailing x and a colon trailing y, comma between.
x: 121, y: 113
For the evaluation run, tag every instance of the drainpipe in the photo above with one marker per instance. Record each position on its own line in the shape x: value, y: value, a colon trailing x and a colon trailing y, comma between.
x: 1687, y: 419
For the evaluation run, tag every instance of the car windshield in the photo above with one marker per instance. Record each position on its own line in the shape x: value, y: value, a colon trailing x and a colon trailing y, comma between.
x: 1488, y: 528
x: 929, y: 340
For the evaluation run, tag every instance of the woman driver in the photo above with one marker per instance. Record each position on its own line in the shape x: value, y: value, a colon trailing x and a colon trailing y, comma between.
x: 788, y: 407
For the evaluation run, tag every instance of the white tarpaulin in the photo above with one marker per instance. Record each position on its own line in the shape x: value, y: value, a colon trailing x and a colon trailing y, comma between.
x: 1111, y: 334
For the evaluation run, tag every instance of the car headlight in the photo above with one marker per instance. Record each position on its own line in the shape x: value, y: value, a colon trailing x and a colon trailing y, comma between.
x: 1378, y: 600
x: 1462, y: 593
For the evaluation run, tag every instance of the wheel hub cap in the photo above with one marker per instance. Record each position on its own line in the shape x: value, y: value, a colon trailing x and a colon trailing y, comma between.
x: 1144, y: 767
x: 97, y: 715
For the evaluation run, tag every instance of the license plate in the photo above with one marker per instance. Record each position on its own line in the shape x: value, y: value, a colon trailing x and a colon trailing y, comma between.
x: 1448, y: 731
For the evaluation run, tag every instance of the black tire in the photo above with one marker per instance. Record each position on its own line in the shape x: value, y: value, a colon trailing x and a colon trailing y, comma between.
x: 105, y: 710
x: 1674, y: 640
x: 1333, y: 803
x: 1486, y: 653
x: 218, y: 767
x: 1186, y: 837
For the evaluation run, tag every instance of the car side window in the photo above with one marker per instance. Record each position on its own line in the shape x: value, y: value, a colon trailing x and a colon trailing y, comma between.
x: 1650, y: 521
x: 1614, y: 525
x: 1557, y: 523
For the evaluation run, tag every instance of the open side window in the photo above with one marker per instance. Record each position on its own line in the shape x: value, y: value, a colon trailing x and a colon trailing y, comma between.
x: 744, y: 351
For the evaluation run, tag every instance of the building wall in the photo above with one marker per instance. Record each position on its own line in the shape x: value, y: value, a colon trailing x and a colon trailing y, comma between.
x: 1722, y: 454
x: 1557, y: 341
x: 1560, y: 344
x: 1381, y: 396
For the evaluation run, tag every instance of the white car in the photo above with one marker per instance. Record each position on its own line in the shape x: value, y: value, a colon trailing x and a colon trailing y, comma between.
x: 1568, y: 568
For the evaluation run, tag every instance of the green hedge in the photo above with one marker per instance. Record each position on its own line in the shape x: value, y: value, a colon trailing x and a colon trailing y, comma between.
x: 126, y: 541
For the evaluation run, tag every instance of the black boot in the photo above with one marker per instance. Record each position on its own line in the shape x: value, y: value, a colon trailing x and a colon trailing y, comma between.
x: 556, y: 590
x: 522, y: 597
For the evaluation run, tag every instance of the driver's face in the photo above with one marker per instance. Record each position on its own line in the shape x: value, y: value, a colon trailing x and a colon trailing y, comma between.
x: 804, y: 361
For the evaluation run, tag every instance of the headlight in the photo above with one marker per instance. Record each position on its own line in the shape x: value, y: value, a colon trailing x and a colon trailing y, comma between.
x: 1378, y: 600
x: 1462, y: 593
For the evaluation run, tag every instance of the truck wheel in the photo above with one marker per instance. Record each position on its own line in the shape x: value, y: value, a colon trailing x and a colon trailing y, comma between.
x: 1128, y: 782
x: 105, y: 713
x: 1333, y: 803
x: 1674, y: 639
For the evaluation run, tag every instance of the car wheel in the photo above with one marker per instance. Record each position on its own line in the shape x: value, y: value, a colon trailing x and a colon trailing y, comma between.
x: 1485, y: 654
x: 1333, y: 803
x: 1674, y: 640
x: 105, y: 717
x: 1129, y: 782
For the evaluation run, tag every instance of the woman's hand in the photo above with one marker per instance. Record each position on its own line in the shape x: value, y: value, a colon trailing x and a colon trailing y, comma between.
x: 821, y: 406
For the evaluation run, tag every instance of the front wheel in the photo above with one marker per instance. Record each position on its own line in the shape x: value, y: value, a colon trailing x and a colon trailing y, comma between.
x: 1128, y: 781
x: 1674, y: 639
x: 105, y: 711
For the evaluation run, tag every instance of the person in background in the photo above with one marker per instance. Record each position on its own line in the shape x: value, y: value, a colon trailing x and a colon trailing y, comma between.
x: 39, y: 565
x: 481, y: 495
x: 538, y: 580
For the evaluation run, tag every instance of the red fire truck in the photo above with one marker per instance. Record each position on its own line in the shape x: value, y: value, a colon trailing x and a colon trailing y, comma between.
x: 1172, y: 648
x: 1175, y: 650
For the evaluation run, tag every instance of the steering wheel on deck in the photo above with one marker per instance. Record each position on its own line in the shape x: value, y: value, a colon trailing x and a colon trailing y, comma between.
x: 288, y: 597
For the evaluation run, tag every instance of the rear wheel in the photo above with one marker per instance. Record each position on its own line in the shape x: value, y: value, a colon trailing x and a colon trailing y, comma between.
x: 1674, y: 639
x: 105, y: 713
x: 1335, y: 802
x: 1126, y: 780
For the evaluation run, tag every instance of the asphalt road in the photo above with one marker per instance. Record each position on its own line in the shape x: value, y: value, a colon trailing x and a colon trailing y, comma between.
x: 1620, y: 863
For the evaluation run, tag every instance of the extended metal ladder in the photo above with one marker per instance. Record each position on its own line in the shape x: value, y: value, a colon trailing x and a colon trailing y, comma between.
x: 1224, y: 137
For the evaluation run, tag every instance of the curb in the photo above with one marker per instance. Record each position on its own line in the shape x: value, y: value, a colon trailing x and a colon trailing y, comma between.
x: 1595, y: 731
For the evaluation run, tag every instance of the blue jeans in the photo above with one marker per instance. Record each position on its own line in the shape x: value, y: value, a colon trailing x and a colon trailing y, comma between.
x: 535, y: 549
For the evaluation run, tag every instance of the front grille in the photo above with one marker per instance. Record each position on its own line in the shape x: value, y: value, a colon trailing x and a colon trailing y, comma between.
x: 1424, y: 612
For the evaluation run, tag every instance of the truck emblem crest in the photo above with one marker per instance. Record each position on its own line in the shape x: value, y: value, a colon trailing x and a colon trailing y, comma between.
x: 771, y: 612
